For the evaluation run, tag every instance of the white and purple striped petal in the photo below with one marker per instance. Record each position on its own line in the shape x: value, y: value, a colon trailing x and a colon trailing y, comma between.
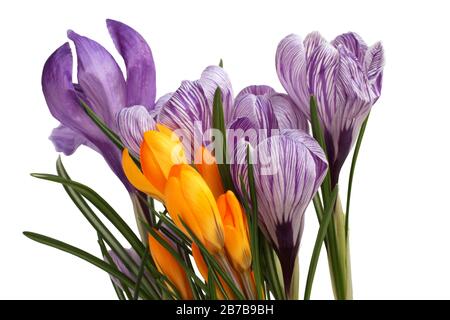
x: 132, y: 122
x: 289, y: 169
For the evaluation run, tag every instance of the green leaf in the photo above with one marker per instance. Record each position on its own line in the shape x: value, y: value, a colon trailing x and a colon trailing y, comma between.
x: 141, y: 273
x: 318, y: 244
x: 97, y: 224
x: 254, y: 231
x: 107, y: 257
x: 352, y: 172
x: 219, y: 124
x: 221, y: 63
x: 85, y: 256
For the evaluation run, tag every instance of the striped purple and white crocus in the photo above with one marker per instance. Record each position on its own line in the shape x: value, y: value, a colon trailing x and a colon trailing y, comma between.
x: 288, y: 170
x: 345, y: 76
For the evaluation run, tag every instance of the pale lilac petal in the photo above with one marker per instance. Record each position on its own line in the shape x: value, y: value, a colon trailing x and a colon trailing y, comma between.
x: 132, y: 122
x: 141, y: 76
x: 322, y: 70
x: 287, y: 114
x: 291, y: 69
x: 160, y: 104
x: 187, y: 111
x: 311, y: 42
x: 353, y: 43
x: 256, y: 108
x: 212, y: 78
x: 66, y: 140
x: 100, y: 78
x: 257, y: 90
x: 373, y: 64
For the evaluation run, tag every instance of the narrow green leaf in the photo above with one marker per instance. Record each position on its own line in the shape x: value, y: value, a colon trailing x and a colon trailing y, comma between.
x: 85, y: 256
x: 141, y: 273
x: 102, y: 126
x: 221, y: 63
x: 219, y: 124
x: 108, y: 258
x: 98, y: 225
x: 318, y: 244
x: 254, y: 230
x: 352, y: 172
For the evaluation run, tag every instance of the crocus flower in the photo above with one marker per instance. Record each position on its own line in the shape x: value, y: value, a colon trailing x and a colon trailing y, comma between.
x: 169, y: 266
x: 189, y: 198
x: 159, y: 151
x: 190, y: 108
x: 345, y: 76
x: 236, y: 231
x: 289, y: 168
x: 102, y: 86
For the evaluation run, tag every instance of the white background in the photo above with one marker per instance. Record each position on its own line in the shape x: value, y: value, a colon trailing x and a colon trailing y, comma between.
x: 400, y: 211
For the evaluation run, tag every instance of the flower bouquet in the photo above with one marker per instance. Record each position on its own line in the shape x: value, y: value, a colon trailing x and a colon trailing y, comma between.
x: 219, y: 183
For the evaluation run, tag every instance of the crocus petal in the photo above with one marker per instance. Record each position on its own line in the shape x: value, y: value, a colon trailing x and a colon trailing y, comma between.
x: 373, y: 64
x: 100, y: 78
x: 188, y: 110
x: 132, y: 122
x: 212, y: 78
x: 257, y: 90
x: 208, y: 169
x: 311, y: 42
x: 137, y: 178
x: 121, y: 266
x: 287, y: 114
x: 141, y: 77
x: 291, y: 65
x: 353, y: 43
x: 256, y: 108
x: 170, y: 267
x: 66, y: 140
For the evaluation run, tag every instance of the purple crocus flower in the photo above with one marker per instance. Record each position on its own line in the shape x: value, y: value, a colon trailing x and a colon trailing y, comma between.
x: 345, y: 76
x: 103, y: 87
x: 288, y: 170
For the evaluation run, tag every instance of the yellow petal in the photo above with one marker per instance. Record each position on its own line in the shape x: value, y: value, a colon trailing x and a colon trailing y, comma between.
x: 199, y: 261
x: 238, y: 249
x: 178, y: 207
x: 151, y: 169
x: 170, y: 267
x: 136, y: 178
x: 209, y: 171
x: 203, y: 207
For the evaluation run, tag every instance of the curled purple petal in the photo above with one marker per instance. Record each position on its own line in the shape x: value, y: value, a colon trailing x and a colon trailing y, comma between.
x: 141, y: 76
x: 62, y: 100
x: 66, y: 140
x: 100, y: 78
